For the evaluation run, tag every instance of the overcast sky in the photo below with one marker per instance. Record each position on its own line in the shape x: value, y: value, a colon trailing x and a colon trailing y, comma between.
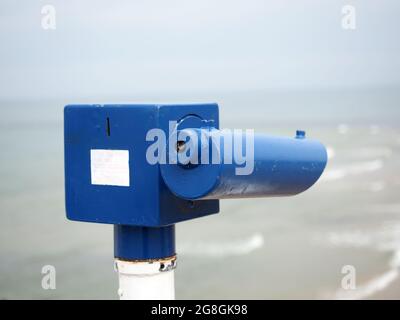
x: 112, y: 48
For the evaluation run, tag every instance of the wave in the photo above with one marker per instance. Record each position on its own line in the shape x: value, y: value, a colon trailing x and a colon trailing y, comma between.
x: 352, y: 169
x: 222, y: 249
x: 386, y: 240
x: 370, y: 288
x: 372, y: 152
x: 343, y: 128
x: 349, y: 239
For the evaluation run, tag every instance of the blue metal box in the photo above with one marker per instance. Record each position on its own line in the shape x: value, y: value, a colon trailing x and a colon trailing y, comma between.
x: 100, y: 138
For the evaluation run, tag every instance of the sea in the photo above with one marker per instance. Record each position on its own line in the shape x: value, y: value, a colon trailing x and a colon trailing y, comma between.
x: 299, y: 247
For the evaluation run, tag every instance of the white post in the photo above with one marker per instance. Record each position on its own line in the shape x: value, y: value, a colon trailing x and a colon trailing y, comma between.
x: 146, y: 280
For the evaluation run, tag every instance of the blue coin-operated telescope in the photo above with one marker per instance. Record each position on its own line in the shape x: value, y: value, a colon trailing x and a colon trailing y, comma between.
x: 143, y: 168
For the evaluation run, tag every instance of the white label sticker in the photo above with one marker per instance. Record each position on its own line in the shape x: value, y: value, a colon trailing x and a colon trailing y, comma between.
x: 109, y: 167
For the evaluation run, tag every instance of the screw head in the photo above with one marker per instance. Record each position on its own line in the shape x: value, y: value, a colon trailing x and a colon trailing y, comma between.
x: 300, y: 134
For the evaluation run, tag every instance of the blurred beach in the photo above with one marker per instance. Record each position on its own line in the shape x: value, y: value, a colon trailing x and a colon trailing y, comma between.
x: 280, y: 248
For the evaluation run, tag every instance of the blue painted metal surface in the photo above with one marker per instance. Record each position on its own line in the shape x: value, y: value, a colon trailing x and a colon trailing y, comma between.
x: 144, y: 212
x: 282, y: 167
x: 142, y: 243
x: 147, y: 201
x: 157, y: 196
